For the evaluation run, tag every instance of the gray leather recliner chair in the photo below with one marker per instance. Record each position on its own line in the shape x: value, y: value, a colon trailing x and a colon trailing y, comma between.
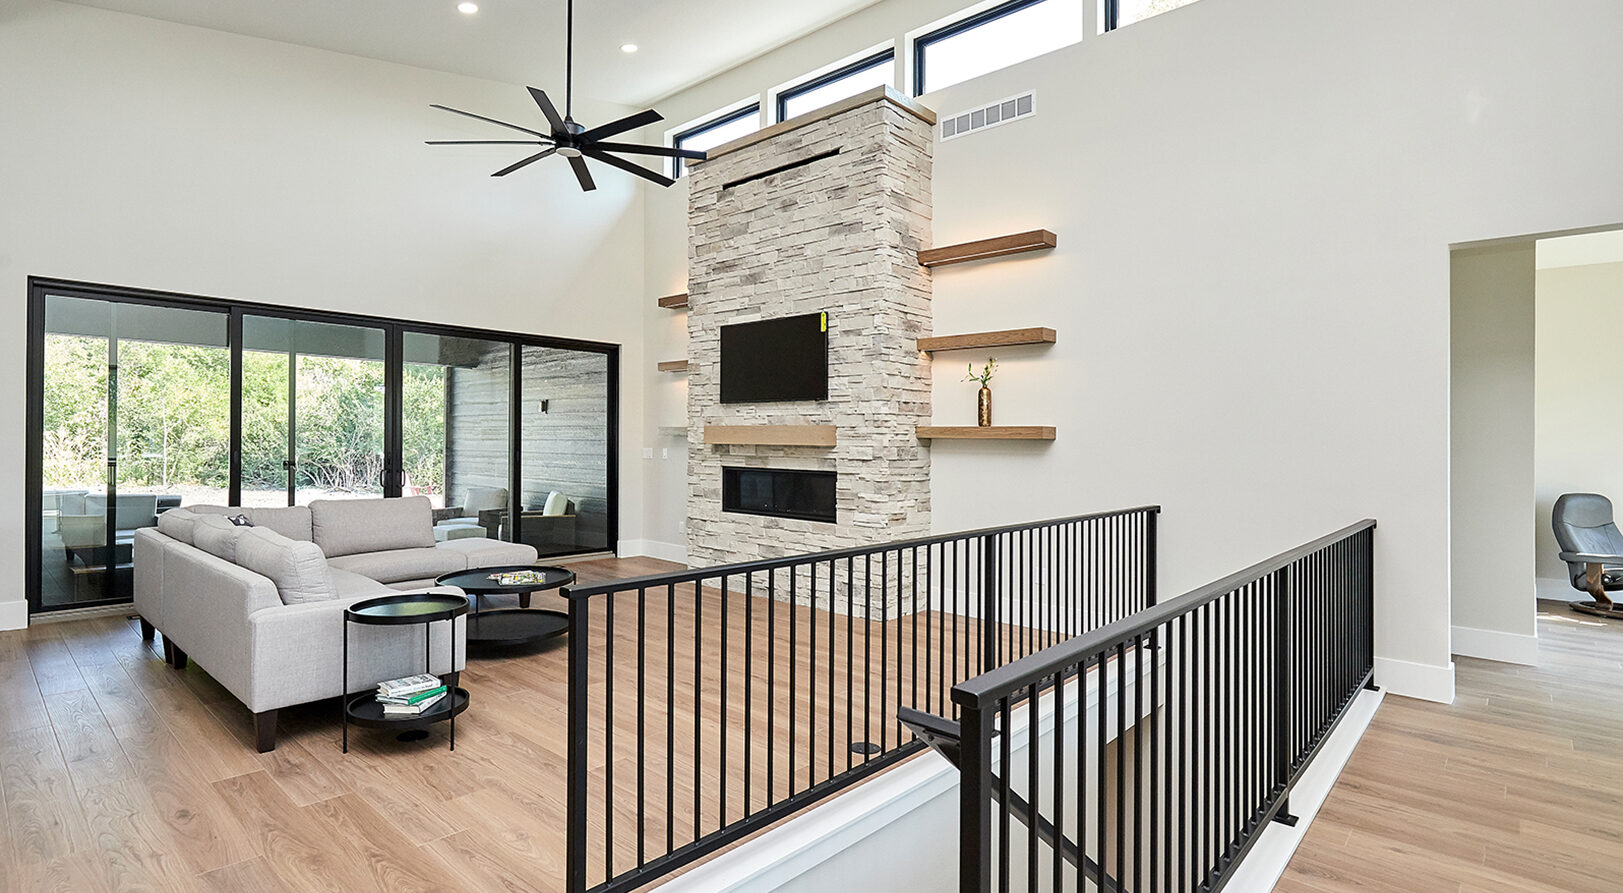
x: 1592, y: 547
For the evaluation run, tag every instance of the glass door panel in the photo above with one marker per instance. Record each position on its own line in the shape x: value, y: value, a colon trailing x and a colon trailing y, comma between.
x: 456, y: 418
x: 565, y: 450
x: 136, y: 421
x: 313, y: 411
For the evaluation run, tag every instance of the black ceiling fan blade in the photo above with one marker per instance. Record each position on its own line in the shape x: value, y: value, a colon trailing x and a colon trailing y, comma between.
x: 634, y: 149
x: 531, y: 160
x: 582, y: 174
x: 628, y: 166
x: 629, y: 122
x: 489, y: 142
x: 447, y: 108
x: 540, y: 97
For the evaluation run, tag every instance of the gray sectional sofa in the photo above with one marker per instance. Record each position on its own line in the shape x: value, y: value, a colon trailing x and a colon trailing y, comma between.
x: 260, y: 605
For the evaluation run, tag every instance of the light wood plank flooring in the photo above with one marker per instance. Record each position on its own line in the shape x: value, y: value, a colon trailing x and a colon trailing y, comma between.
x: 1516, y: 786
x: 120, y: 773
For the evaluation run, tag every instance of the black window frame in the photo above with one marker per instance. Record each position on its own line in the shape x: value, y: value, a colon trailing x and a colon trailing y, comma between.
x: 395, y: 329
x: 970, y: 23
x: 886, y: 56
x: 678, y: 167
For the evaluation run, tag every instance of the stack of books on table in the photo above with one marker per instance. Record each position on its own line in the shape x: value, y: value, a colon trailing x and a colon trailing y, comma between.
x: 411, y: 695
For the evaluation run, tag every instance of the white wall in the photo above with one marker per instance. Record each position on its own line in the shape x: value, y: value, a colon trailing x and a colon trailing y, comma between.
x: 1493, y: 608
x: 1579, y: 433
x: 155, y: 155
x: 1255, y: 201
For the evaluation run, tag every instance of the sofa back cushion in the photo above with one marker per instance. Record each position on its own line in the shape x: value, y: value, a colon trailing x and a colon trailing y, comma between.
x: 216, y: 536
x: 291, y: 521
x: 178, y: 524
x: 298, y: 568
x: 352, y: 526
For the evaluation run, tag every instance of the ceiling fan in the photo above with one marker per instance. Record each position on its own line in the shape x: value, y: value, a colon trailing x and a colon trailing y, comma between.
x: 573, y: 141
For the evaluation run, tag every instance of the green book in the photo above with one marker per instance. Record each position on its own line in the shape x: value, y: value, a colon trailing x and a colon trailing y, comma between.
x: 414, y: 698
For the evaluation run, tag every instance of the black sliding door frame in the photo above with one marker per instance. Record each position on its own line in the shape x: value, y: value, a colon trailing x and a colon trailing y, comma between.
x: 395, y: 330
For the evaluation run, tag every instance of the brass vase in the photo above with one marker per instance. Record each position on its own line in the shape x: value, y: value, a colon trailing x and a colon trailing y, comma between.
x: 983, y: 408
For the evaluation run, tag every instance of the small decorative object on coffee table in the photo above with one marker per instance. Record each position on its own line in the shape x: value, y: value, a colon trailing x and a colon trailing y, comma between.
x: 412, y: 704
x: 511, y: 626
x: 983, y: 402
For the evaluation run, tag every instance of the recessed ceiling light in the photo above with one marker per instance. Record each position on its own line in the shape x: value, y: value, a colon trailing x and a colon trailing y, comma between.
x: 467, y: 8
x: 628, y: 48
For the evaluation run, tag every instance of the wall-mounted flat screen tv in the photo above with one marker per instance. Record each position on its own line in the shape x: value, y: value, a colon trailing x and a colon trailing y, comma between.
x: 775, y: 359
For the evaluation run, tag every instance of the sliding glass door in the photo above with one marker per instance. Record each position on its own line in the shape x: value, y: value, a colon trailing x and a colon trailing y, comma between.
x: 134, y: 419
x: 140, y: 402
x: 456, y: 424
x: 312, y: 411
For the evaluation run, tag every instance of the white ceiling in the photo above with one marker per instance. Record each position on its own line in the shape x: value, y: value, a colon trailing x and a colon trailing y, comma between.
x: 522, y: 41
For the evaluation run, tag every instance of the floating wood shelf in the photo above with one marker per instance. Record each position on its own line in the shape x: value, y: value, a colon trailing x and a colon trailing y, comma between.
x: 674, y: 302
x: 1005, y: 338
x: 996, y: 432
x: 1019, y: 243
x: 674, y: 366
x: 771, y: 435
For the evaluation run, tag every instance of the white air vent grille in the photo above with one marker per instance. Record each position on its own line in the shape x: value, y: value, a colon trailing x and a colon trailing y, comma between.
x: 1012, y: 109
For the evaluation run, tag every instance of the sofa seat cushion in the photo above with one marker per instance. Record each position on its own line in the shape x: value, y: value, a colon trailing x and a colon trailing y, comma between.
x: 394, y: 565
x: 348, y: 584
x: 298, y: 569
x: 486, y: 552
x: 356, y: 526
x: 291, y: 521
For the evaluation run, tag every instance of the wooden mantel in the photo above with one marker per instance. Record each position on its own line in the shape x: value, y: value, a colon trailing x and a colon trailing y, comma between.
x: 771, y: 435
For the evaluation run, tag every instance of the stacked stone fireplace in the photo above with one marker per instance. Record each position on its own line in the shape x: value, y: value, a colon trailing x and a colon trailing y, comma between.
x: 823, y: 214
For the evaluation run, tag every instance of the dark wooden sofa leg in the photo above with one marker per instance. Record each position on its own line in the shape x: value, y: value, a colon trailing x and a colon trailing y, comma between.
x: 147, y: 630
x: 265, y: 731
x: 177, y: 658
x: 168, y: 651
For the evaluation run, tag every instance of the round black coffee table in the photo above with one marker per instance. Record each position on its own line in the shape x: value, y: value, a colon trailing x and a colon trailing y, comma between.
x: 510, y: 626
x: 397, y: 610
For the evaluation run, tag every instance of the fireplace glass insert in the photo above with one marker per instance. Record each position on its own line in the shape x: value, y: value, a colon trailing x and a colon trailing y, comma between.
x: 779, y: 493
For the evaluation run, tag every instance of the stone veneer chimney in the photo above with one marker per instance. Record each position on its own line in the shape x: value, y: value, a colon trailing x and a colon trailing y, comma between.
x: 836, y: 229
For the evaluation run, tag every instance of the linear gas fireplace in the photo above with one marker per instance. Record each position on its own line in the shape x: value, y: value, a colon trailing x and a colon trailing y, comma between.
x: 779, y: 493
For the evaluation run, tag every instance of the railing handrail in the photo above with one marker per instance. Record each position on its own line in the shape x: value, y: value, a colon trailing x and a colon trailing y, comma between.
x: 694, y: 575
x: 998, y: 682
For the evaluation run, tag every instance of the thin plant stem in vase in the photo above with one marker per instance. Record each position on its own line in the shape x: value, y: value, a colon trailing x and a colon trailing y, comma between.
x: 983, y: 402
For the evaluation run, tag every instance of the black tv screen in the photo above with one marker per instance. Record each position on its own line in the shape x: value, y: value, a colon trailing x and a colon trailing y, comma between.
x: 775, y: 359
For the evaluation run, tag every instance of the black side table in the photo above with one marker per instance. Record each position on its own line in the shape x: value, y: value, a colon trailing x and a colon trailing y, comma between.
x: 398, y: 610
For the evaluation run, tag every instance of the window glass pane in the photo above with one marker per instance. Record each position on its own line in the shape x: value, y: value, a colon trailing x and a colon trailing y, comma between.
x: 312, y: 411
x: 136, y: 421
x: 1023, y: 34
x: 564, y: 498
x: 1130, y: 11
x: 454, y: 429
x: 709, y: 136
x: 875, y: 75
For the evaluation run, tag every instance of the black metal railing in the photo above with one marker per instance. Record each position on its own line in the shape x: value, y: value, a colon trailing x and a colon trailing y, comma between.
x: 707, y: 704
x: 1147, y: 754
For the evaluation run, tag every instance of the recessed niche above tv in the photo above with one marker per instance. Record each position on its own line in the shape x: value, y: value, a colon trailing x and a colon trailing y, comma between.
x: 775, y: 360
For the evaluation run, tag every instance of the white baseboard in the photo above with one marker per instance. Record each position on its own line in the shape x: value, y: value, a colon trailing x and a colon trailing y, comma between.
x: 654, y: 549
x: 13, y: 615
x: 1412, y: 680
x: 1558, y: 589
x: 1266, y: 862
x: 1488, y: 644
